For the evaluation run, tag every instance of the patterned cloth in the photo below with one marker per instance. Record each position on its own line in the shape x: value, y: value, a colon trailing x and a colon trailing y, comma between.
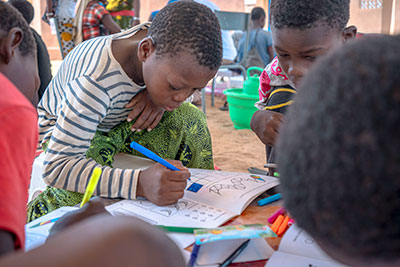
x: 64, y: 18
x: 272, y: 76
x: 181, y: 135
x: 122, y: 13
x: 65, y: 30
x: 91, y: 20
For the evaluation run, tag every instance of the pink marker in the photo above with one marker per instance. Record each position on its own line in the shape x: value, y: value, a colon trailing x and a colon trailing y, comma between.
x: 272, y: 219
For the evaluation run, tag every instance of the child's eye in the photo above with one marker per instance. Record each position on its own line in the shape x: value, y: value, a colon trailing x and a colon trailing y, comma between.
x: 173, y: 88
x: 284, y: 55
x: 310, y: 58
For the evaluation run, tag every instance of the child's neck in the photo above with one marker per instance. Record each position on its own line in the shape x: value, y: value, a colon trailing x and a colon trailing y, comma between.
x: 125, y: 52
x: 136, y: 73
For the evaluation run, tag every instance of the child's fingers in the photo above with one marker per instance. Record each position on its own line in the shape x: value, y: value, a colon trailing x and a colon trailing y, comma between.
x: 136, y: 111
x: 136, y: 99
x: 177, y: 186
x: 156, y: 120
x: 179, y: 176
x: 131, y: 103
x: 177, y: 164
x: 174, y: 197
x: 140, y: 122
x: 146, y: 123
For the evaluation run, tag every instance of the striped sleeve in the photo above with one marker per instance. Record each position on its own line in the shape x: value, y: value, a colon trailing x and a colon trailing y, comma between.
x: 83, y: 107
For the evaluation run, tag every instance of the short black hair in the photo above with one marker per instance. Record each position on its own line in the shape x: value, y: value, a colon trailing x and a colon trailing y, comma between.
x: 188, y: 26
x: 10, y: 18
x: 339, y: 150
x: 25, y: 8
x: 257, y: 13
x: 302, y: 15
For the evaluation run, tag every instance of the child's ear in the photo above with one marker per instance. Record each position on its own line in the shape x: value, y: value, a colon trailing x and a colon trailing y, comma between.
x: 146, y: 48
x: 9, y: 44
x: 349, y: 33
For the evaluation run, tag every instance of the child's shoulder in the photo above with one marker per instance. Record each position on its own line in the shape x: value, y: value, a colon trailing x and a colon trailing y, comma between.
x: 11, y: 97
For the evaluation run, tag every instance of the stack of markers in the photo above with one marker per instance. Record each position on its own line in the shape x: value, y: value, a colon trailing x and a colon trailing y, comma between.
x: 280, y: 222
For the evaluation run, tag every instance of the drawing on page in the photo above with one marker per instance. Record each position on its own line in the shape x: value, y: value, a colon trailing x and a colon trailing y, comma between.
x: 166, y: 211
x: 307, y: 240
x: 194, y: 187
x: 236, y: 184
x: 203, y: 213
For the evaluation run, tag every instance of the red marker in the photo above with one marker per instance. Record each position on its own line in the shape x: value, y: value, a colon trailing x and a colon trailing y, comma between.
x: 272, y: 219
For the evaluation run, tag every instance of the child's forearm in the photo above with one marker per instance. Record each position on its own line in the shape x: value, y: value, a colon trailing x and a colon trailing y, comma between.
x: 72, y: 173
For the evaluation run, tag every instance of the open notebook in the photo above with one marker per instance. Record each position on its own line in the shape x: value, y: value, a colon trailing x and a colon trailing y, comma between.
x: 298, y: 249
x: 211, y: 198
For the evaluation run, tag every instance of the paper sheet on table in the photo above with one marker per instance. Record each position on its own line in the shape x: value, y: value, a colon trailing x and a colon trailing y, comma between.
x: 289, y: 260
x: 36, y: 236
x: 298, y: 249
x: 215, y: 253
x: 182, y: 240
x: 126, y: 161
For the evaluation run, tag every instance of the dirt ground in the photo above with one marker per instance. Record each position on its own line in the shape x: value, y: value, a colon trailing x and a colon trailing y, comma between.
x: 234, y: 150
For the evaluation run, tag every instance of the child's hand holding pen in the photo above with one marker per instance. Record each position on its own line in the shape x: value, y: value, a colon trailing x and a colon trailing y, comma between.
x: 161, y: 185
x: 146, y: 113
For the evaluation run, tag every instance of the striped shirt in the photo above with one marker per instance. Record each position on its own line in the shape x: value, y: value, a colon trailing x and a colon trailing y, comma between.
x: 88, y: 93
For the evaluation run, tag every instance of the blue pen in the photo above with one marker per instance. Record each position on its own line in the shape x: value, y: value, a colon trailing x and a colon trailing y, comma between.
x: 268, y: 200
x: 193, y: 256
x: 153, y: 156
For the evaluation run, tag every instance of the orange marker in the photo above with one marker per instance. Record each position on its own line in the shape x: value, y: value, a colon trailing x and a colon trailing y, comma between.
x: 277, y: 223
x: 283, y: 226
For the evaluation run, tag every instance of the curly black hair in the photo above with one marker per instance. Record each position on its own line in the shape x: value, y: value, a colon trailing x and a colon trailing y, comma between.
x: 25, y: 8
x: 257, y: 13
x: 11, y: 18
x: 306, y: 14
x: 188, y: 26
x: 339, y: 150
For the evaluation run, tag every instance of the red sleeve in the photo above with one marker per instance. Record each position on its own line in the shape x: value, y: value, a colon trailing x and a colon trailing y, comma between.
x: 100, y: 11
x: 18, y: 138
x: 265, y: 88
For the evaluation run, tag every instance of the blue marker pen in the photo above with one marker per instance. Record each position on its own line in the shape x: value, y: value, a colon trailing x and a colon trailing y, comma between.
x: 193, y: 256
x: 268, y: 200
x: 153, y: 156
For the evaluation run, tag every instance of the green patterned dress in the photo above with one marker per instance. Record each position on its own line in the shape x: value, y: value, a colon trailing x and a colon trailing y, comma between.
x: 181, y: 135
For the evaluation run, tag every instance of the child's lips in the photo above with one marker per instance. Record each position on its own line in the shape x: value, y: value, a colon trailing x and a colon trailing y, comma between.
x: 170, y: 108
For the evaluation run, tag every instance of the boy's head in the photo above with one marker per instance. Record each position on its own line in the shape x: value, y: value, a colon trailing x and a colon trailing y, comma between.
x: 305, y: 30
x: 18, y: 52
x: 258, y: 17
x: 338, y: 153
x: 25, y: 8
x: 182, y: 52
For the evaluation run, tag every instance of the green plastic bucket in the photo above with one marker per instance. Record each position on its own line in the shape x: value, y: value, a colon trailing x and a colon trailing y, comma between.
x: 241, y: 107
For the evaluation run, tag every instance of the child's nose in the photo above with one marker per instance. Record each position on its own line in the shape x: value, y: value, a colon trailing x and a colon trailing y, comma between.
x: 297, y: 68
x: 182, y: 95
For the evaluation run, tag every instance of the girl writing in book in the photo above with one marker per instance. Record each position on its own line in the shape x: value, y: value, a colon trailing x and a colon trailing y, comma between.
x: 160, y: 66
